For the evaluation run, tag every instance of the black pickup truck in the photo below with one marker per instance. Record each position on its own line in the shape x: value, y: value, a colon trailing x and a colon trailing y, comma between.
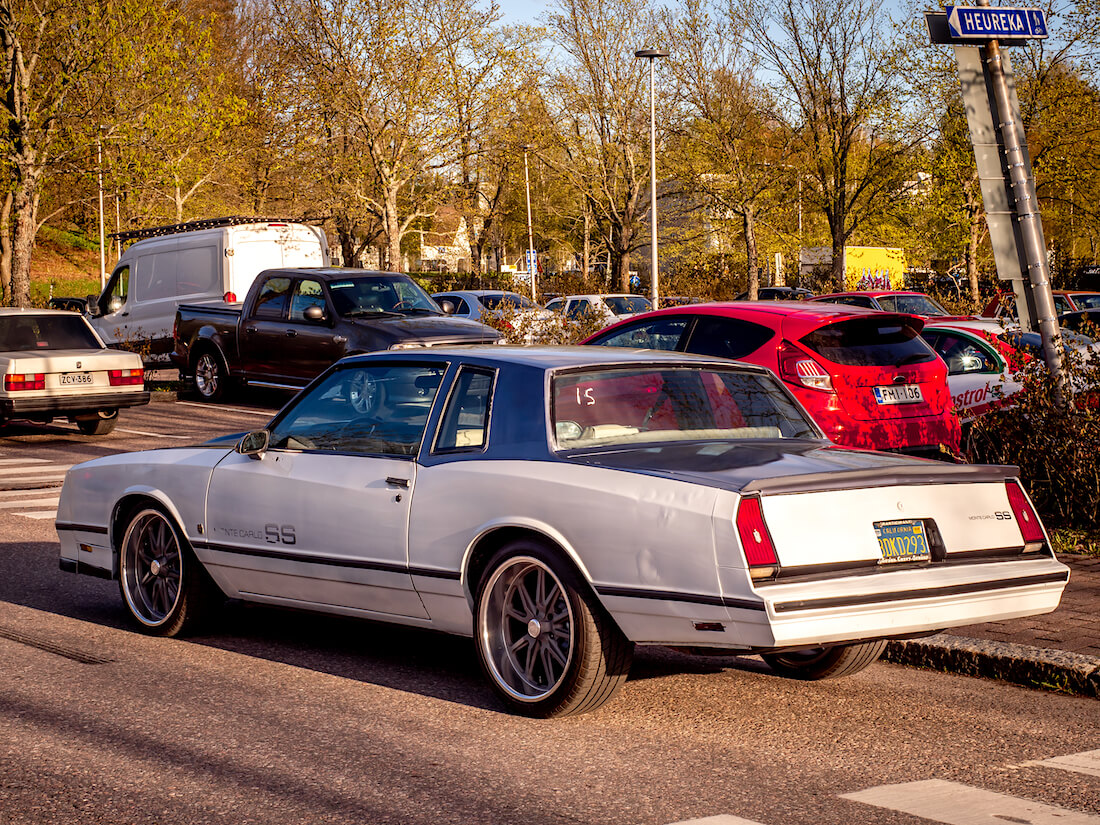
x: 294, y: 323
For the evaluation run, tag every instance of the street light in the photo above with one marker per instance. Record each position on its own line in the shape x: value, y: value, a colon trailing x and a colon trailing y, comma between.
x: 532, y: 257
x: 651, y: 54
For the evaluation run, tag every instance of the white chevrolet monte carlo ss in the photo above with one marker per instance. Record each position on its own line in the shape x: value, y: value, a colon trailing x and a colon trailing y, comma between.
x: 563, y: 505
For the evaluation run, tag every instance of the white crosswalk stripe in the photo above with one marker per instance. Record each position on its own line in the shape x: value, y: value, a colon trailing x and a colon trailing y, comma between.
x: 952, y: 803
x: 1087, y: 763
x: 955, y: 804
x: 42, y: 479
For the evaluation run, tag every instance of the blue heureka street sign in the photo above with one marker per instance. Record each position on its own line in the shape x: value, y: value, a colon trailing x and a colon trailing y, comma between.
x: 996, y: 23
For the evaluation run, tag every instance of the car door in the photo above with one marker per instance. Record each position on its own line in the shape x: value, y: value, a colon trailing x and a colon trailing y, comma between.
x: 310, y: 346
x: 322, y: 518
x: 976, y: 373
x: 262, y: 332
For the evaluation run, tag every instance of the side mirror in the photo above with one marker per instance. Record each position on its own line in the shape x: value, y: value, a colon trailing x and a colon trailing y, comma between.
x: 314, y: 313
x: 92, y: 304
x: 254, y: 444
x: 447, y: 306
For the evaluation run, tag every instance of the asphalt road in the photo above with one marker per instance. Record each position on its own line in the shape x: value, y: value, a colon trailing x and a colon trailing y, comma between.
x: 278, y: 717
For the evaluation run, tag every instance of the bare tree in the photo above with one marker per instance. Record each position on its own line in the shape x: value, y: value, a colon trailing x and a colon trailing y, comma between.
x: 841, y: 100
x: 600, y: 97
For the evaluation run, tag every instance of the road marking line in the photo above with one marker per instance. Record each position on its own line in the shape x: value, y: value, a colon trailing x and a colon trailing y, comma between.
x: 721, y: 819
x: 1087, y: 763
x: 210, y: 408
x: 24, y: 460
x: 30, y: 491
x: 955, y: 804
x: 153, y: 435
x: 34, y: 471
x: 34, y: 502
x: 39, y: 515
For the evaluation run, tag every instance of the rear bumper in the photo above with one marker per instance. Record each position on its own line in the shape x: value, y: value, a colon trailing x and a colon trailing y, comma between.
x: 920, y: 436
x: 841, y: 610
x: 14, y: 407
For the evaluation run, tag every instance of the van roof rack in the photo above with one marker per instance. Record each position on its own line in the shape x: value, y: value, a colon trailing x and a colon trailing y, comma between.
x: 195, y: 226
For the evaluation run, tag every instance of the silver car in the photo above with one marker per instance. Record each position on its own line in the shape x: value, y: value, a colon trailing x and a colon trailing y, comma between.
x: 562, y: 505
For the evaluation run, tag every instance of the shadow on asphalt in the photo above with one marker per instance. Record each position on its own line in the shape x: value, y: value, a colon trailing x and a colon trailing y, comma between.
x: 414, y: 660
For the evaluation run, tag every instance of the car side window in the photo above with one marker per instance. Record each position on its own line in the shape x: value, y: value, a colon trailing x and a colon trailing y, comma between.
x: 461, y: 307
x: 465, y: 423
x: 727, y: 337
x: 664, y: 333
x: 271, y: 302
x: 376, y: 409
x: 1061, y: 304
x: 963, y: 356
x: 555, y: 305
x: 307, y: 293
x: 577, y: 309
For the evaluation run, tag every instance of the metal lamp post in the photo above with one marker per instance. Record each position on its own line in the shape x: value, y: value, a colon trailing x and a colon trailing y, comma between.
x: 651, y: 54
x: 532, y: 258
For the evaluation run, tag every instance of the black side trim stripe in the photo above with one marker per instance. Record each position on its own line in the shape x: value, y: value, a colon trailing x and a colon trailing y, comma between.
x: 84, y: 528
x: 929, y: 593
x: 674, y: 596
x: 329, y: 561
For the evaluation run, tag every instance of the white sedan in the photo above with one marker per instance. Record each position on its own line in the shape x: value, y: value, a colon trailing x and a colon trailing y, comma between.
x: 56, y: 366
x: 562, y: 505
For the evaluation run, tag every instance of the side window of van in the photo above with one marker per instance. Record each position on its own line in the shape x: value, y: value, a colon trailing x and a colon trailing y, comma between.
x: 156, y: 276
x: 198, y: 271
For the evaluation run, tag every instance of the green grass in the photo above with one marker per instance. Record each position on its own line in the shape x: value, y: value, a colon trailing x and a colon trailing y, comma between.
x: 62, y: 238
x: 42, y: 291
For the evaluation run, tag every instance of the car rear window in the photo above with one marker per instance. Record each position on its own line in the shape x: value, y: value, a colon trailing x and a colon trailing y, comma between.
x: 655, y: 404
x: 870, y: 342
x: 915, y: 304
x: 45, y: 332
x: 626, y: 304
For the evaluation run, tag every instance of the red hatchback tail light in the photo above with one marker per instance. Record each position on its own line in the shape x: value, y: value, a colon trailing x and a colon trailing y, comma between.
x: 24, y: 381
x: 756, y: 541
x: 797, y: 367
x: 1031, y: 529
x: 126, y: 378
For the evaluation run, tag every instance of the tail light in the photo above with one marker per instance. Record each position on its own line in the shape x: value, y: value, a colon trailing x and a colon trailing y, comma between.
x: 25, y: 381
x: 756, y: 542
x: 126, y: 378
x: 230, y: 297
x: 796, y: 367
x: 1031, y: 529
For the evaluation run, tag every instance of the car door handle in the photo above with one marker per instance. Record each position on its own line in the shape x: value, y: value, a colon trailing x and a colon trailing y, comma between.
x: 397, y: 482
x: 250, y: 330
x: 339, y: 339
x: 292, y: 333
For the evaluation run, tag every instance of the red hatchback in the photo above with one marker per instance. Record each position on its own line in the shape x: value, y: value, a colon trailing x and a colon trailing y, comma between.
x: 866, y: 377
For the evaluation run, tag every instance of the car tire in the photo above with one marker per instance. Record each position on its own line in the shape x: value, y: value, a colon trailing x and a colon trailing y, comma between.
x: 99, y: 424
x: 211, y: 377
x: 163, y: 585
x: 816, y: 663
x: 560, y: 655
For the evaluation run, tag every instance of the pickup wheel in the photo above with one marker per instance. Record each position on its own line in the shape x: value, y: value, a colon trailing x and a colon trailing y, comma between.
x: 211, y: 376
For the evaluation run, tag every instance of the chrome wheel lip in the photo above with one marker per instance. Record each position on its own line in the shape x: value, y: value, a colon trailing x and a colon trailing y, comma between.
x: 160, y: 578
x: 499, y: 644
x: 206, y: 375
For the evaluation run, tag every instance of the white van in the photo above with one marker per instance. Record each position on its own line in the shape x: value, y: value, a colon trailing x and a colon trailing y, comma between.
x: 194, y: 263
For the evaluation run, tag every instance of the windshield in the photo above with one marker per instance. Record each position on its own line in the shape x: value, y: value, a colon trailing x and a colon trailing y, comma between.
x: 377, y: 294
x: 626, y: 304
x: 506, y: 300
x: 617, y: 405
x: 913, y: 304
x: 1087, y: 301
x: 44, y: 332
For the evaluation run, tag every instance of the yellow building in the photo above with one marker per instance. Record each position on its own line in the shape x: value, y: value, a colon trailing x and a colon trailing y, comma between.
x: 874, y: 267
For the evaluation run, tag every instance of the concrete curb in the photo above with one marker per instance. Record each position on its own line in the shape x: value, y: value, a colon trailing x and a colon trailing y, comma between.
x: 1036, y: 667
